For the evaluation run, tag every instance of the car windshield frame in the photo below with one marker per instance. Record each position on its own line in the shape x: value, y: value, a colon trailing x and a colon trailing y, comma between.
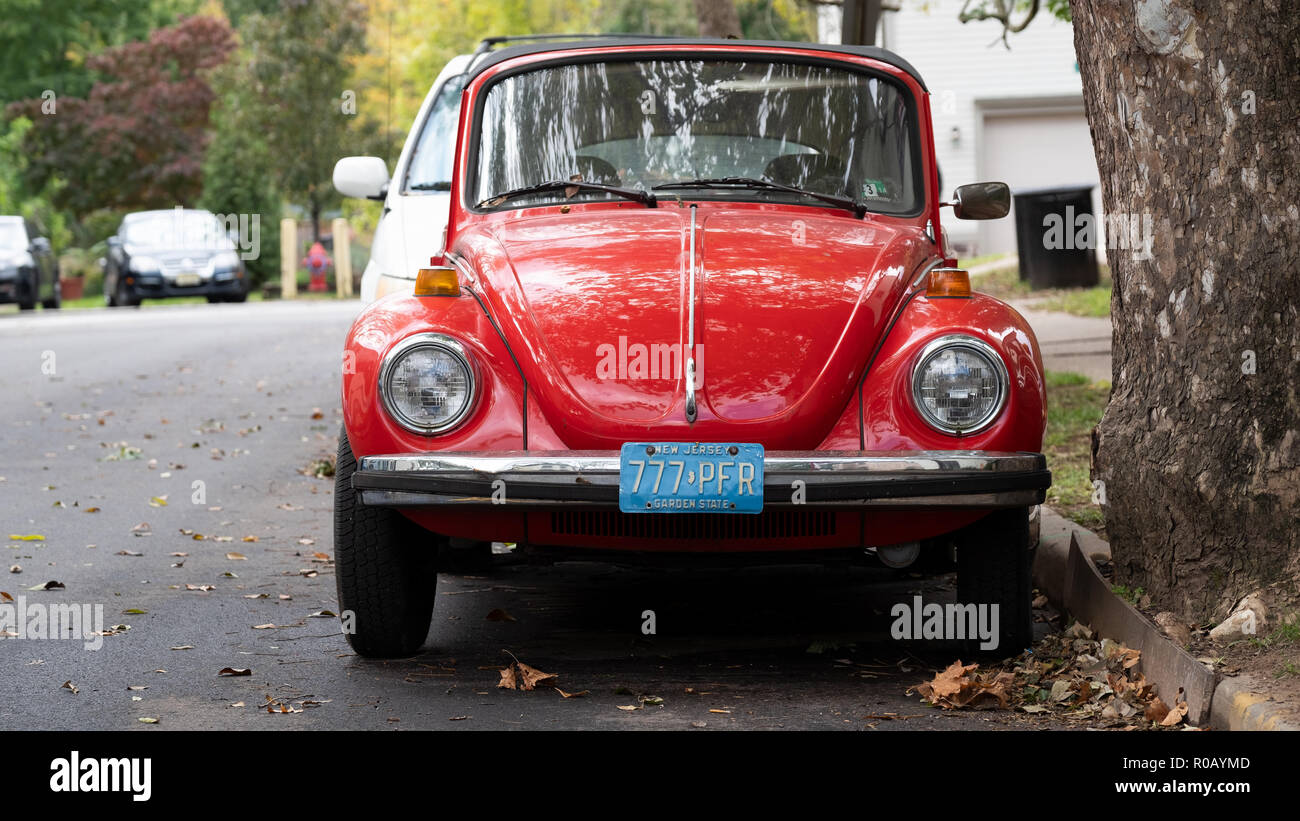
x: 470, y: 169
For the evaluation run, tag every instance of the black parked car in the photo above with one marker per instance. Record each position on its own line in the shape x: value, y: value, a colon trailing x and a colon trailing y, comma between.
x: 29, y: 271
x: 178, y: 252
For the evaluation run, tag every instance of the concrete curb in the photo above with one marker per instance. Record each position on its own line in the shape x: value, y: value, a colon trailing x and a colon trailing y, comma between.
x: 1240, y: 704
x: 1065, y: 572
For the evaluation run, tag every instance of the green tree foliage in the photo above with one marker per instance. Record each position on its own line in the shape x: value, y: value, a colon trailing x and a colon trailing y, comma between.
x: 238, y: 178
x: 298, y: 95
x: 45, y: 44
x: 137, y: 139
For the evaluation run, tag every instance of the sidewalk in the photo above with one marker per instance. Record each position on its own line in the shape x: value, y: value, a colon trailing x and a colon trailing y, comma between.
x: 1070, y: 343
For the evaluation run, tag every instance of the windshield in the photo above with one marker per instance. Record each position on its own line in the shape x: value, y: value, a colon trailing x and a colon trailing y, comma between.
x: 431, y: 161
x: 177, y: 229
x: 13, y: 236
x: 655, y: 122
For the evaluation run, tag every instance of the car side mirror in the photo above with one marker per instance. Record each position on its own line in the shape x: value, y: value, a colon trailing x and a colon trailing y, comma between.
x: 364, y: 177
x: 981, y: 201
x: 41, y: 244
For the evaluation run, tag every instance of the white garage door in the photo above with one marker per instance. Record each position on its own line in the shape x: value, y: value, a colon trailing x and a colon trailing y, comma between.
x: 1034, y: 150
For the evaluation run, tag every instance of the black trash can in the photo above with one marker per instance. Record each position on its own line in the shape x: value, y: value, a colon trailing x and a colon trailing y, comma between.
x: 1049, y: 223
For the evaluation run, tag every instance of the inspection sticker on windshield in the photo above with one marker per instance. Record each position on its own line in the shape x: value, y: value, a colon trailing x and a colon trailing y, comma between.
x: 690, y: 477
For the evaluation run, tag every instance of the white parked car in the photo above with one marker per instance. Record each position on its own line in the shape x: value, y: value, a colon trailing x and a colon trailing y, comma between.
x: 416, y: 196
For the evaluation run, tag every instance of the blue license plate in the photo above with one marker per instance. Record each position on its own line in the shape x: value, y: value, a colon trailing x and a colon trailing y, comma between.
x: 690, y: 477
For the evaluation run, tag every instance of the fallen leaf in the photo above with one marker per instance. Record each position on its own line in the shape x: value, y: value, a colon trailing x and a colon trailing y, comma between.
x: 579, y: 694
x: 322, y: 614
x: 127, y: 553
x: 147, y: 720
x: 158, y: 501
x: 50, y: 585
x: 33, y: 537
x: 235, y: 671
x: 249, y: 539
x: 68, y: 685
x: 500, y: 615
x: 17, y: 568
x: 264, y: 627
x: 178, y: 647
x: 237, y: 557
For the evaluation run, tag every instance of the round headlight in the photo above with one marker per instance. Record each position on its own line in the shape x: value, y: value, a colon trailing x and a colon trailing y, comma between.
x: 959, y: 384
x: 427, y: 384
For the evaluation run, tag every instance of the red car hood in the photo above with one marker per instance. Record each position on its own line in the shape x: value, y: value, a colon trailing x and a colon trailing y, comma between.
x: 789, y: 306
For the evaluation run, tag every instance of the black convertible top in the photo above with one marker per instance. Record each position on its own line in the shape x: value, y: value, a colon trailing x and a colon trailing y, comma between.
x: 686, y: 44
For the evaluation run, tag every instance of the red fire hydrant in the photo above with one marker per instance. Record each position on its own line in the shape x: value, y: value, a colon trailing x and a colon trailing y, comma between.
x: 317, y: 262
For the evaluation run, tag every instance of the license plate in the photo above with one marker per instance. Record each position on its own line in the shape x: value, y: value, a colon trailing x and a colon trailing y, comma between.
x: 186, y: 280
x: 690, y: 477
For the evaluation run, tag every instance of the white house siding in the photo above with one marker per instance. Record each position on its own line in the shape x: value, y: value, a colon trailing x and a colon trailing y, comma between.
x: 1033, y: 90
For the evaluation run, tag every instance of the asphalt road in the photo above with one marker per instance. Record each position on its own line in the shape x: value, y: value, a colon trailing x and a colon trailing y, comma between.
x: 110, y: 418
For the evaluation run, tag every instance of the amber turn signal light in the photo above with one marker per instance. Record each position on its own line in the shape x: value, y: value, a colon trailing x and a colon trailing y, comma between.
x: 949, y: 282
x: 437, y: 282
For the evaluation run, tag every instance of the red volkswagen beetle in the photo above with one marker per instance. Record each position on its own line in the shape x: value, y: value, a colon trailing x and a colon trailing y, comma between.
x: 695, y: 297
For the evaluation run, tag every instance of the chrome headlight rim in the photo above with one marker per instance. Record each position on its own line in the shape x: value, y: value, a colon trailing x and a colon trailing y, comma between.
x: 978, y: 346
x: 428, y: 340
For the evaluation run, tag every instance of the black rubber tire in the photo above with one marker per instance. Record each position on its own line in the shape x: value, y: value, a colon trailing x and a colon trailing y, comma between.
x: 240, y: 297
x: 993, y: 567
x: 27, y: 302
x: 55, y: 302
x: 122, y: 299
x: 385, y: 568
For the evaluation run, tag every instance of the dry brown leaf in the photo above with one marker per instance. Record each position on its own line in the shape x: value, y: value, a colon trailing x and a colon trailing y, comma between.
x: 500, y: 615
x: 235, y: 671
x: 509, y: 680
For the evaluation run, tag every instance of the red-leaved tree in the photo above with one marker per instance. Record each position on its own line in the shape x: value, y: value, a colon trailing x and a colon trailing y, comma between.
x: 138, y: 138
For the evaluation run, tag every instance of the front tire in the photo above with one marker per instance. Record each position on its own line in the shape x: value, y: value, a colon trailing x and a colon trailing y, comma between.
x: 56, y: 301
x: 385, y: 569
x: 993, y: 567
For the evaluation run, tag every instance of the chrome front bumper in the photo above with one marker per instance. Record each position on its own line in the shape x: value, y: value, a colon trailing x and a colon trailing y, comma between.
x: 832, y: 479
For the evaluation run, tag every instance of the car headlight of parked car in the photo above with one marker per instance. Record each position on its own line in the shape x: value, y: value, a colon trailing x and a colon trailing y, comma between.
x: 223, y: 261
x: 427, y: 383
x: 959, y: 384
x: 145, y: 265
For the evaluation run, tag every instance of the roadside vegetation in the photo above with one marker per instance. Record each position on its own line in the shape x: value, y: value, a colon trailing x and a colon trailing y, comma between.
x: 1074, y: 407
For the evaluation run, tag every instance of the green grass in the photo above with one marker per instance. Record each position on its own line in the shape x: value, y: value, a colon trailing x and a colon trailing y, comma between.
x: 1128, y: 594
x: 1080, y: 301
x: 971, y: 262
x: 1074, y: 407
x: 1003, y: 283
x: 1006, y: 284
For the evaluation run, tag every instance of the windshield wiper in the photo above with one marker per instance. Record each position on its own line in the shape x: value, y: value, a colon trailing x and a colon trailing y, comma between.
x: 643, y: 197
x: 859, y: 209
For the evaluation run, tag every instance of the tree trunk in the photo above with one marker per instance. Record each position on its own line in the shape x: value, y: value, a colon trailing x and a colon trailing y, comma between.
x: 860, y: 21
x: 1192, y: 109
x: 718, y: 18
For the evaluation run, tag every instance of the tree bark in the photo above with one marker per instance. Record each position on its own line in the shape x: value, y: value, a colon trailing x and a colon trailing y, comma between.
x: 718, y: 18
x: 1192, y: 110
x: 860, y: 21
